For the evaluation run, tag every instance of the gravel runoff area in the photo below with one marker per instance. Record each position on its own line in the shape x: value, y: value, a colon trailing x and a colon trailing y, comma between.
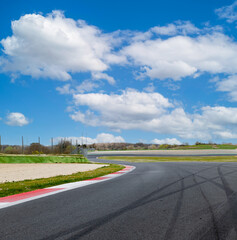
x: 22, y: 171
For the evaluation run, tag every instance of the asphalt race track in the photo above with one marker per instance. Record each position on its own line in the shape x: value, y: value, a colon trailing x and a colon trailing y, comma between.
x: 189, y: 200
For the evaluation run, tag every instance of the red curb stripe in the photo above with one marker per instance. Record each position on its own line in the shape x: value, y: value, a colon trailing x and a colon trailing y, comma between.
x: 98, y: 178
x: 25, y: 195
x: 116, y: 173
x: 22, y: 196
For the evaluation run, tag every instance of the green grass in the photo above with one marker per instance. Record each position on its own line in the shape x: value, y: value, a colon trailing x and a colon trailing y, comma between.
x: 42, y: 159
x: 10, y: 188
x: 182, y: 147
x: 173, y: 159
x: 206, y: 146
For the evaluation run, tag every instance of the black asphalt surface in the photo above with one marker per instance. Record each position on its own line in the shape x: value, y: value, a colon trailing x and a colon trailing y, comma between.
x: 189, y: 200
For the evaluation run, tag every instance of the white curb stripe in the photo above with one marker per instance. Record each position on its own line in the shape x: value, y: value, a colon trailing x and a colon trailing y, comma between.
x: 66, y: 187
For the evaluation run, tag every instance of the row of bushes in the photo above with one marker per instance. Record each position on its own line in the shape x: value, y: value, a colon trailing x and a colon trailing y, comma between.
x: 35, y: 148
x: 65, y: 147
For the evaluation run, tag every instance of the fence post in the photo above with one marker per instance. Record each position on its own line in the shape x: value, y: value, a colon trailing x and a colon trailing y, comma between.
x: 39, y: 144
x: 51, y: 145
x: 61, y: 146
x: 22, y: 145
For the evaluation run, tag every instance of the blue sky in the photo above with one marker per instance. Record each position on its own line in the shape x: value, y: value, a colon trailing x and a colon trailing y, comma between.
x: 150, y: 71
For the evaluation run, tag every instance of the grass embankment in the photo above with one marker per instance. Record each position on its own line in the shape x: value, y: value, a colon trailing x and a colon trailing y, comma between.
x: 42, y: 159
x: 180, y: 147
x: 174, y: 159
x: 10, y: 188
x: 202, y: 147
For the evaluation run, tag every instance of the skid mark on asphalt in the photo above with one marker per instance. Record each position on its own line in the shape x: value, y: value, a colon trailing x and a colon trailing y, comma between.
x: 176, y: 211
x: 214, y: 222
x: 86, y: 228
x: 224, y: 219
x: 222, y: 215
x: 231, y: 198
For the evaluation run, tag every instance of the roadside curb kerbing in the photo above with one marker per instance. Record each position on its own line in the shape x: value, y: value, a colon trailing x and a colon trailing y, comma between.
x: 32, y: 195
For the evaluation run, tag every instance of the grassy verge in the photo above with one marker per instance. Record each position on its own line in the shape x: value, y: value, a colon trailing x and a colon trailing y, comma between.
x: 10, y: 188
x: 205, y: 146
x: 180, y: 147
x: 173, y: 159
x: 42, y: 159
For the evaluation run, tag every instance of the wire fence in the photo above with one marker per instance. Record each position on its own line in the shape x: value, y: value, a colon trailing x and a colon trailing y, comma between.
x: 57, y: 146
x: 74, y: 145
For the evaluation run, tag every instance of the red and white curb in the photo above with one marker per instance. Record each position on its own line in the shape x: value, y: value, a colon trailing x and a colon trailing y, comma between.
x: 29, y: 196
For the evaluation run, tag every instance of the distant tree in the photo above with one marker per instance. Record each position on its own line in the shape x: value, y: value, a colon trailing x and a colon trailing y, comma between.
x: 36, y: 148
x: 12, y: 150
x: 64, y: 147
x: 152, y: 147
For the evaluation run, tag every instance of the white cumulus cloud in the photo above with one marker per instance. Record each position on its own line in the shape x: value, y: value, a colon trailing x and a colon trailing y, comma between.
x: 100, y: 138
x: 100, y: 75
x: 228, y: 12
x: 108, y: 138
x: 55, y: 46
x: 177, y: 28
x: 16, y: 119
x: 85, y: 86
x: 180, y: 56
x: 170, y: 141
x: 152, y: 112
x: 115, y: 110
x: 66, y: 89
x: 228, y: 85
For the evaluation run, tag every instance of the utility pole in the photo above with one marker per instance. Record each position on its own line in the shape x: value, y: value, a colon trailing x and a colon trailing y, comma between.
x: 77, y: 146
x: 61, y: 146
x: 39, y: 144
x: 22, y: 145
x: 0, y: 143
x: 52, y: 145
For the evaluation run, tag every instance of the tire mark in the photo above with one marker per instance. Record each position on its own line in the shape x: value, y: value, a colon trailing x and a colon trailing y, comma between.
x: 214, y: 222
x: 86, y: 228
x: 186, y: 188
x: 211, y: 180
x: 231, y: 198
x: 224, y: 223
x: 221, y: 222
x: 223, y: 219
x: 176, y: 211
x: 232, y: 166
x: 136, y: 205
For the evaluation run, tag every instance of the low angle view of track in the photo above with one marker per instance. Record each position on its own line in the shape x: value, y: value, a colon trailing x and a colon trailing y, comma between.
x: 168, y: 200
x: 118, y: 120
